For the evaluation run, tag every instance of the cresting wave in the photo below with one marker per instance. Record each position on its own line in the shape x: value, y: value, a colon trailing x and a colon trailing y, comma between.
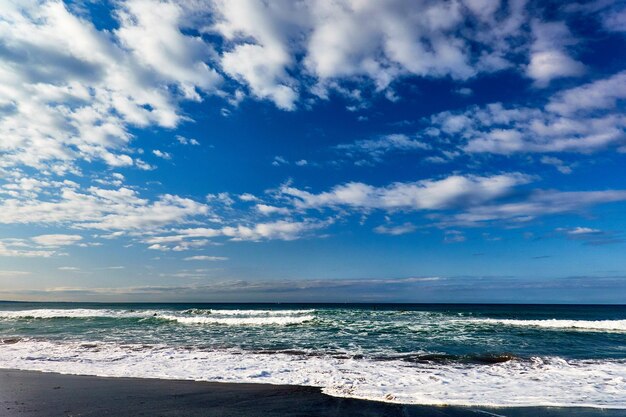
x: 73, y: 313
x: 224, y: 312
x: 194, y: 316
x: 240, y: 321
x: 574, y: 383
x: 587, y: 325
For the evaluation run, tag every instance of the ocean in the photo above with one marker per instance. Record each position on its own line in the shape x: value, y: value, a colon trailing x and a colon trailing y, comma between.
x: 488, y: 355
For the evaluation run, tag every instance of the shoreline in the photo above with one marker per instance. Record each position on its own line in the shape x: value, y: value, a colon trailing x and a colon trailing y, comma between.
x: 41, y: 394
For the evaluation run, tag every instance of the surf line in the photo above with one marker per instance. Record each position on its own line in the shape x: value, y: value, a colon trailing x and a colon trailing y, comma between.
x: 488, y: 413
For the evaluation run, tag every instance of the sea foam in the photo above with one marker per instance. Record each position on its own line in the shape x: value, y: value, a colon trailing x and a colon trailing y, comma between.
x: 195, y: 316
x: 539, y: 381
x: 585, y: 325
x: 239, y: 321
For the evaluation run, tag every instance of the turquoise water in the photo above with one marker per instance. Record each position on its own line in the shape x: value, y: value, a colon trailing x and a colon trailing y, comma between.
x: 430, y: 354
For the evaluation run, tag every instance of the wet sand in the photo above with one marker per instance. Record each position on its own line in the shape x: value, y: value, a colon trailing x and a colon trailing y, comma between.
x: 35, y: 394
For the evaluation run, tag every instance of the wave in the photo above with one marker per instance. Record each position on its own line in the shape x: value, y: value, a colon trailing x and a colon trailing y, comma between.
x: 74, y: 313
x: 545, y: 381
x: 199, y: 317
x: 588, y: 325
x: 240, y: 321
x: 224, y: 312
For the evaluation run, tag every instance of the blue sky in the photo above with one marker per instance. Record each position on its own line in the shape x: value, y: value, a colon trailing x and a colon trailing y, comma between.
x: 459, y: 151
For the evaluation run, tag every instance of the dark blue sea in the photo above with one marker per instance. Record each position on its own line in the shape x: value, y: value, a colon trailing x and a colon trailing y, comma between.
x: 490, y: 355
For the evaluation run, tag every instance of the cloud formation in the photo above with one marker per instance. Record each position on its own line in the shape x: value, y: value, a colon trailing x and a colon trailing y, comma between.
x: 453, y: 191
x: 583, y: 119
x: 70, y: 92
x: 120, y: 209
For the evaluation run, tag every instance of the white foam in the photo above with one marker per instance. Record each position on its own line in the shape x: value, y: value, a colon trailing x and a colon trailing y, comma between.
x: 539, y: 382
x: 200, y: 317
x: 239, y: 321
x: 593, y: 325
x: 250, y: 312
x: 74, y: 313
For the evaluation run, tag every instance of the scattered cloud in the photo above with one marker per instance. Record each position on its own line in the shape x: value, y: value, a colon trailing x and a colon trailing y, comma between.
x: 57, y: 240
x: 10, y: 250
x: 376, y: 148
x: 277, y: 230
x: 454, y: 236
x: 279, y: 160
x: 187, y: 141
x: 538, y: 203
x: 68, y: 268
x: 269, y: 210
x: 395, y: 230
x: 549, y: 57
x: 99, y: 208
x: 206, y: 258
x: 71, y: 92
x: 439, y: 194
x: 161, y: 154
x: 13, y: 274
x: 590, y: 236
x: 583, y: 119
x: 557, y: 163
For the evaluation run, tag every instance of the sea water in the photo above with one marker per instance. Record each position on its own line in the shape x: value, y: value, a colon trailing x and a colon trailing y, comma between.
x: 490, y: 355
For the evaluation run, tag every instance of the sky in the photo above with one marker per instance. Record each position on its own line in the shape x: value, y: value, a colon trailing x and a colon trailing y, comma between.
x: 344, y: 151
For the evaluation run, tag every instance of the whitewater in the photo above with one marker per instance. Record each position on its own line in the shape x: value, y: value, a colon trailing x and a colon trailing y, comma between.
x: 507, y: 356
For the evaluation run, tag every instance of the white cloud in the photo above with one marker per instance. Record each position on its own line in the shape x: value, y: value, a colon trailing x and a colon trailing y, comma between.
x: 152, y: 31
x: 615, y: 20
x: 186, y: 141
x: 582, y: 231
x: 248, y: 197
x: 454, y: 236
x: 69, y: 91
x: 206, y: 258
x: 57, y: 240
x: 161, y: 154
x: 279, y: 160
x: 280, y: 230
x: 376, y: 148
x: 539, y: 203
x: 9, y: 250
x: 549, y: 57
x: 68, y: 268
x: 439, y: 194
x: 261, y: 57
x: 597, y: 95
x: 13, y: 274
x: 557, y: 163
x: 98, y: 208
x: 277, y: 230
x: 383, y: 41
x: 281, y: 48
x: 583, y: 119
x: 590, y: 236
x: 269, y: 210
x: 395, y: 230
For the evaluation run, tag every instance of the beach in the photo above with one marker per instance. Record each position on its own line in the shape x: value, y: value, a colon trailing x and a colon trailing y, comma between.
x: 37, y: 394
x: 326, y: 360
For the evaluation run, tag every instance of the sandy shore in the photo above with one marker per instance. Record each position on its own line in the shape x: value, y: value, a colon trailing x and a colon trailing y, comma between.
x: 35, y: 394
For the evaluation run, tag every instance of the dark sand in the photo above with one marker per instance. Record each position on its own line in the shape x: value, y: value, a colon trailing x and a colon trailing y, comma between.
x: 35, y: 394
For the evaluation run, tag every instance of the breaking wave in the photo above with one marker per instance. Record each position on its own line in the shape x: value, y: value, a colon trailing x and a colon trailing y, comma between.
x: 194, y: 316
x: 514, y: 382
x: 589, y: 325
